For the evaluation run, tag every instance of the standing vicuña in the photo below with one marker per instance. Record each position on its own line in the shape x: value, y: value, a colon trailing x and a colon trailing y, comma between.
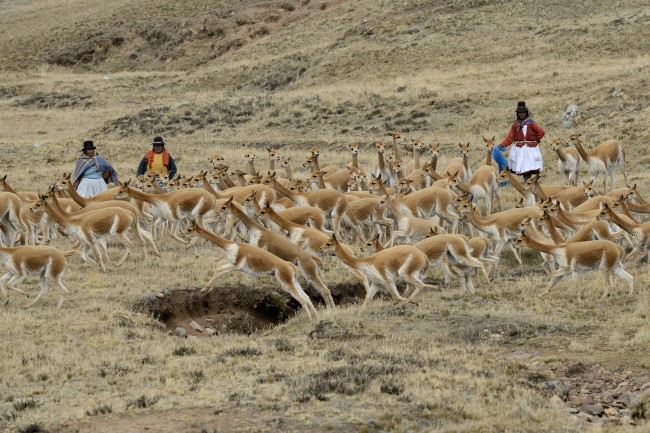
x: 603, y: 159
x: 568, y: 163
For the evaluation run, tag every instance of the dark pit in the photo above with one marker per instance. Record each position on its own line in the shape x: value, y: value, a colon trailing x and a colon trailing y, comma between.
x: 234, y: 309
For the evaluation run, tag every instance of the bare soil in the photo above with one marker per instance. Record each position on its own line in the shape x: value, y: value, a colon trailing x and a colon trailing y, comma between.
x: 242, y: 310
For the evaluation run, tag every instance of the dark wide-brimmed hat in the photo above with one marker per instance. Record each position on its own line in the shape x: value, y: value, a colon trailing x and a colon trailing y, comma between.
x: 88, y: 145
x: 521, y: 107
x: 158, y: 141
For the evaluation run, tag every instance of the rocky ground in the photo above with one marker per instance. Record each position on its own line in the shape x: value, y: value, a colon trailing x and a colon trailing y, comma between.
x: 592, y: 393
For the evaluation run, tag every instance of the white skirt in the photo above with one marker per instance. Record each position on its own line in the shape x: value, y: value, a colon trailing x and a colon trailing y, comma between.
x: 524, y: 159
x: 90, y: 187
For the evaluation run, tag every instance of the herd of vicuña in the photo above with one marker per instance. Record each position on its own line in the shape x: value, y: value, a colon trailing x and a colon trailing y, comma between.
x: 386, y: 224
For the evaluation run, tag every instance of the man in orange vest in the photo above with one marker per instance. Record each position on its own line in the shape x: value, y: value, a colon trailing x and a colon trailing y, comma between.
x: 158, y: 160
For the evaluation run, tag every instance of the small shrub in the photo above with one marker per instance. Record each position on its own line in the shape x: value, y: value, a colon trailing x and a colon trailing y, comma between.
x: 287, y: 7
x: 390, y: 387
x: 243, y: 351
x: 196, y: 376
x: 113, y: 370
x: 346, y: 380
x: 283, y: 345
x: 142, y: 402
x: 184, y: 351
x: 38, y: 358
x: 26, y: 403
x: 148, y: 360
x: 641, y: 410
x: 101, y: 409
x: 337, y: 354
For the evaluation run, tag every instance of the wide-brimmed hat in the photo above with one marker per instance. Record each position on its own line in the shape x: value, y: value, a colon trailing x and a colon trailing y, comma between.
x: 88, y: 145
x: 521, y: 107
x: 158, y: 141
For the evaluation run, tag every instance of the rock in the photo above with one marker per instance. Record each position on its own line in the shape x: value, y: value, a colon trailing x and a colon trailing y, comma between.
x: 570, y: 115
x: 193, y: 338
x: 558, y: 388
x: 626, y: 400
x: 181, y: 331
x: 611, y: 412
x: 210, y: 331
x: 196, y: 326
x: 622, y: 387
x: 592, y: 409
x: 645, y: 386
x: 582, y: 416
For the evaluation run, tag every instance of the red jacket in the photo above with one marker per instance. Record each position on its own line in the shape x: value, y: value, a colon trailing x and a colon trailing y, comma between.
x: 534, y: 132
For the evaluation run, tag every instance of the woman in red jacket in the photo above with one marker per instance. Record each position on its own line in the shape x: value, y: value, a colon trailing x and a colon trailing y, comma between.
x: 524, y: 159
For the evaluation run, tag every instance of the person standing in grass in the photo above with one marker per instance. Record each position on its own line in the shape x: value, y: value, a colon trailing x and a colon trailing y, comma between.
x: 158, y: 160
x: 92, y: 172
x: 524, y: 159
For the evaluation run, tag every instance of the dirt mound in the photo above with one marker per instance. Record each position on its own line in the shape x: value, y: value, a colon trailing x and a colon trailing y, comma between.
x: 242, y: 310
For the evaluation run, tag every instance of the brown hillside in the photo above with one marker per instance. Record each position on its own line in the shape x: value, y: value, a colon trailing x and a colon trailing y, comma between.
x: 234, y: 77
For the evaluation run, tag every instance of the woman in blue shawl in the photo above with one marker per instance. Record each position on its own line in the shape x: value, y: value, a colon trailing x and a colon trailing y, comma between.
x: 92, y: 172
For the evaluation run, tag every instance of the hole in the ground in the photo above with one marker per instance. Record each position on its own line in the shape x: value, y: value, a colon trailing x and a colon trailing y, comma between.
x: 241, y: 310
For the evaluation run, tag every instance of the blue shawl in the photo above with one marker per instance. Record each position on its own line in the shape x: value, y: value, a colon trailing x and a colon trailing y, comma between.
x: 84, y: 162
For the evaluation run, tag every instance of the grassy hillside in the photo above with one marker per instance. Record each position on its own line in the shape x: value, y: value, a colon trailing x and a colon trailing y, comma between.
x: 237, y: 76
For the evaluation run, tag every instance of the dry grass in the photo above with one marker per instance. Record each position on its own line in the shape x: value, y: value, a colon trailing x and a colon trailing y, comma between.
x: 294, y: 74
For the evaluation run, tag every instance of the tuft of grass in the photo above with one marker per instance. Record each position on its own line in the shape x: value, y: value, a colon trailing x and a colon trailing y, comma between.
x: 242, y: 351
x: 196, y: 376
x: 345, y: 380
x: 101, y: 409
x: 283, y: 345
x: 107, y: 369
x: 392, y: 387
x: 142, y: 402
x: 641, y: 410
x: 24, y: 404
x: 184, y: 351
